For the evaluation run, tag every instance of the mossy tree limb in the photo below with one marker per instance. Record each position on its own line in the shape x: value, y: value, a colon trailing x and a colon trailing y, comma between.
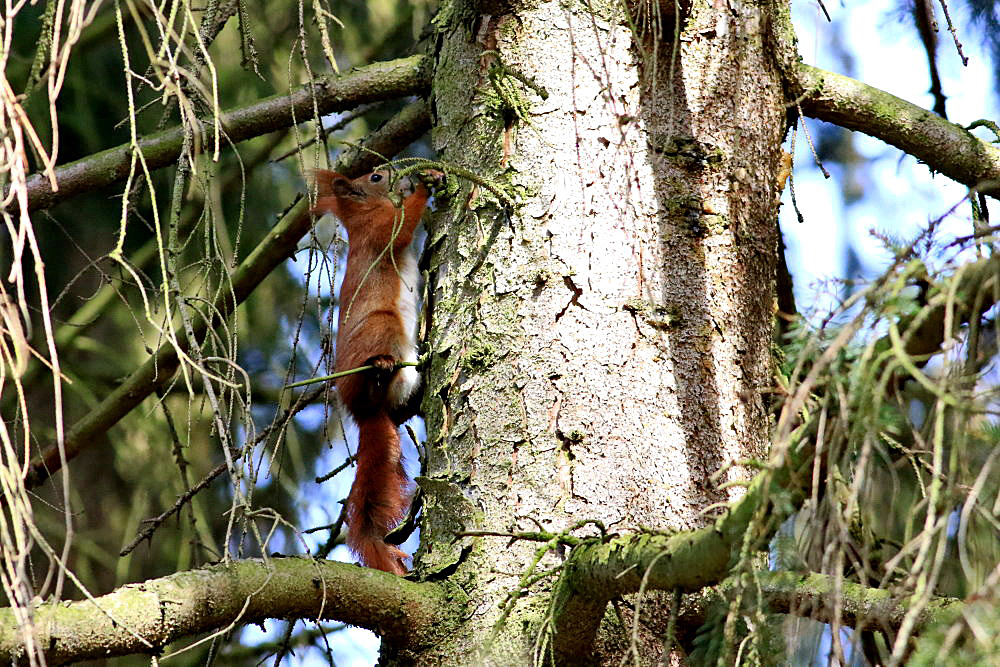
x: 811, y: 595
x: 976, y: 294
x: 597, y: 571
x: 687, y: 561
x: 144, y: 617
x: 944, y: 146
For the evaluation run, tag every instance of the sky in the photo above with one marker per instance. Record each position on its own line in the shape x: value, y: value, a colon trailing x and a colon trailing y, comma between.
x: 900, y: 195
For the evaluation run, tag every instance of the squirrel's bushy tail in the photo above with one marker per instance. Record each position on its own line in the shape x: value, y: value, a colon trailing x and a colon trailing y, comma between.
x: 380, y: 495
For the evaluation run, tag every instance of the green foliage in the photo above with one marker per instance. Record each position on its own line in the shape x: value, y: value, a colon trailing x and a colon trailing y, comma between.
x: 738, y: 630
x: 891, y: 395
x: 976, y: 641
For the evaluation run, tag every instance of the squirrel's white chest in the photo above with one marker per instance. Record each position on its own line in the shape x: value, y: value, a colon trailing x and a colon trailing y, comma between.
x: 407, y: 379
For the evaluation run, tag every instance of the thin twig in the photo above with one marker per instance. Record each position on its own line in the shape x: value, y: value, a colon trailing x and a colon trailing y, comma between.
x: 340, y: 374
x: 152, y: 524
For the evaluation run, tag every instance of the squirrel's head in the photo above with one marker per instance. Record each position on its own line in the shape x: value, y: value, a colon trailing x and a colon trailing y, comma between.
x: 374, y: 199
x: 370, y: 188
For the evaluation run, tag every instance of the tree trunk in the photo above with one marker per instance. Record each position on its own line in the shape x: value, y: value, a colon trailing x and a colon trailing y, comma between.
x: 599, y: 350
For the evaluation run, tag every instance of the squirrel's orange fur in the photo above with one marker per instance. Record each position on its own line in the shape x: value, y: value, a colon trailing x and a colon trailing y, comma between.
x: 376, y: 327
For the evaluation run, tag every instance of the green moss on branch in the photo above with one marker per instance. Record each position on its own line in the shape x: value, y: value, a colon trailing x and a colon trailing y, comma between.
x: 145, y: 617
x: 944, y: 146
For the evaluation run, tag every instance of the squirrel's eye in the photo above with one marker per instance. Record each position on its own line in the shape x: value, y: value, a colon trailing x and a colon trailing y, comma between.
x: 376, y: 177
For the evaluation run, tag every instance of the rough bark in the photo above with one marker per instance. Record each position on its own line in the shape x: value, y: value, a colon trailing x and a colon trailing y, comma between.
x: 600, y: 350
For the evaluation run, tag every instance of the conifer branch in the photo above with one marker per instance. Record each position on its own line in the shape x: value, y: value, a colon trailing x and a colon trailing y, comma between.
x: 944, y: 146
x: 362, y: 85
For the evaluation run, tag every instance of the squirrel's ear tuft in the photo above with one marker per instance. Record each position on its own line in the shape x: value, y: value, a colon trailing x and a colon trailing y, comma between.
x: 328, y: 182
x: 342, y: 187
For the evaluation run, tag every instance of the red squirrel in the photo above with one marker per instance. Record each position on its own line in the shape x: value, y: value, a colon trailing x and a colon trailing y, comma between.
x: 376, y: 327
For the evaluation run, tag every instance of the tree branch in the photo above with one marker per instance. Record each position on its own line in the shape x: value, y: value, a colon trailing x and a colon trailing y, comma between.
x: 278, y: 245
x: 145, y: 617
x: 942, y: 145
x: 693, y: 560
x: 380, y: 81
x: 975, y: 294
x: 811, y: 595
